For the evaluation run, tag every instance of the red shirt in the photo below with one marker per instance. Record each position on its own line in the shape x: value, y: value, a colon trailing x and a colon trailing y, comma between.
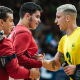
x: 25, y: 47
x: 12, y: 69
x: 23, y: 41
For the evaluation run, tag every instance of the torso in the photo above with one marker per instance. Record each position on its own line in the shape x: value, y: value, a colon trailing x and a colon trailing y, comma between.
x: 71, y: 47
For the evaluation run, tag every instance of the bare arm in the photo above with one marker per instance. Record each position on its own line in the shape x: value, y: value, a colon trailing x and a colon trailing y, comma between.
x: 54, y: 64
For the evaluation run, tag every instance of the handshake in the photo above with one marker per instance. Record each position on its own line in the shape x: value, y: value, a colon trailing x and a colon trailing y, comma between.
x: 39, y: 57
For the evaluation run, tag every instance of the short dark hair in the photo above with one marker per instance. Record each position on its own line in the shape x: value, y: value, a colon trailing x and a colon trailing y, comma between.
x: 4, y: 11
x: 29, y: 7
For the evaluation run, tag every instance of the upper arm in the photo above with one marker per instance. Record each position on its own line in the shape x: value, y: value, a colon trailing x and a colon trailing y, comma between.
x: 21, y: 42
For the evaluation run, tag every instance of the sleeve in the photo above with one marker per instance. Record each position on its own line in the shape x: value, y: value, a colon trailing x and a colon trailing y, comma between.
x: 15, y: 71
x: 13, y: 68
x: 21, y: 44
x: 28, y: 62
x: 61, y: 44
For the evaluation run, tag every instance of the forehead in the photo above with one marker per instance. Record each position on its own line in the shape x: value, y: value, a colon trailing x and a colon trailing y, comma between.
x: 59, y: 13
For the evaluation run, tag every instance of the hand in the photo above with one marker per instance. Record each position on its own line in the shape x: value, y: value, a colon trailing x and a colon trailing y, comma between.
x: 34, y: 73
x: 43, y: 58
x: 43, y: 61
x: 70, y: 69
x: 37, y: 57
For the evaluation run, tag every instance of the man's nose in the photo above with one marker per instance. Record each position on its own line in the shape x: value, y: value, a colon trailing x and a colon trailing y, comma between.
x: 39, y: 20
x: 55, y: 20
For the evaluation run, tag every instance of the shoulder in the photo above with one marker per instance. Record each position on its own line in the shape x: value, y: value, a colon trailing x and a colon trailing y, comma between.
x: 64, y: 37
x: 62, y: 40
x: 21, y: 29
x: 6, y: 47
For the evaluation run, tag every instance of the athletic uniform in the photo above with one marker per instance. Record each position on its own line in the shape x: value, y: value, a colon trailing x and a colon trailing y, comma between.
x: 25, y: 47
x: 12, y: 69
x: 70, y: 47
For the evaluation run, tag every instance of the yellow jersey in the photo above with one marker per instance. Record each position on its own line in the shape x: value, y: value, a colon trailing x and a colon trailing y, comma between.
x: 70, y: 47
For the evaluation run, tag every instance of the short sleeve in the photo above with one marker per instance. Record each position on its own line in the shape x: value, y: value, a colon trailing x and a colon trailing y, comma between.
x: 61, y: 44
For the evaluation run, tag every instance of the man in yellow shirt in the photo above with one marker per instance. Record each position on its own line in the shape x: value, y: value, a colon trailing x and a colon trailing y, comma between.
x: 69, y: 45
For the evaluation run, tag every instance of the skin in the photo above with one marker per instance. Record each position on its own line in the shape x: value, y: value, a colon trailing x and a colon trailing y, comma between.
x: 61, y: 20
x: 30, y: 21
x: 35, y: 20
x: 55, y: 64
x: 7, y: 25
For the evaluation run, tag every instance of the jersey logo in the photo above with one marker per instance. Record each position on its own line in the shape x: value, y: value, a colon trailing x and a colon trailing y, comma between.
x: 73, y: 46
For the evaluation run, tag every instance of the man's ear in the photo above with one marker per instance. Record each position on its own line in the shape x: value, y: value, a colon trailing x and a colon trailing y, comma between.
x: 27, y: 15
x: 68, y: 17
x: 1, y: 22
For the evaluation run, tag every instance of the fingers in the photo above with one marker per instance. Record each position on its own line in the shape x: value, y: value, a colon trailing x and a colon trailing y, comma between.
x: 40, y: 55
x: 69, y: 70
x: 36, y: 56
x: 44, y: 55
x: 32, y: 78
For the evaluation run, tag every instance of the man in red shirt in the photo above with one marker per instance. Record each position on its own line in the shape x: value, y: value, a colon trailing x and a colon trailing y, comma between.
x: 21, y: 37
x: 12, y: 67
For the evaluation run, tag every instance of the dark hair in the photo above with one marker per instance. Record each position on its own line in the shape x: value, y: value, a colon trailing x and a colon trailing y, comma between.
x: 29, y: 7
x: 3, y: 12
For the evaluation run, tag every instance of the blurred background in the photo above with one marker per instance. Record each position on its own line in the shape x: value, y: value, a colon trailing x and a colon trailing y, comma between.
x: 47, y: 34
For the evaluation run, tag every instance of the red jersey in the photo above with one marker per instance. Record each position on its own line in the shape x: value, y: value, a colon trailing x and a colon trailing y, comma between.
x: 12, y: 69
x: 25, y: 47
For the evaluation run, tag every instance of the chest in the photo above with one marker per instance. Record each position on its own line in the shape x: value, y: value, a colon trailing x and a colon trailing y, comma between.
x: 71, y: 46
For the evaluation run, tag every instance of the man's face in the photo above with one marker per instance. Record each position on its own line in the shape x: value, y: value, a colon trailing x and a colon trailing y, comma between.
x: 34, y: 20
x: 61, y: 20
x: 8, y: 24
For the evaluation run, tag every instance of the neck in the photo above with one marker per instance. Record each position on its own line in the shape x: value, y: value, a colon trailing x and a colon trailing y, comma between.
x: 22, y: 22
x: 71, y: 29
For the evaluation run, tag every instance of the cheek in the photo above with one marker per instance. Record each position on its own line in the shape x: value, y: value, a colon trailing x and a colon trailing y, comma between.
x: 62, y: 21
x: 35, y: 19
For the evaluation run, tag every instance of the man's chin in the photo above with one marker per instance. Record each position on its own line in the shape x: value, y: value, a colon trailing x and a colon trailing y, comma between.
x: 61, y: 29
x: 32, y: 28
